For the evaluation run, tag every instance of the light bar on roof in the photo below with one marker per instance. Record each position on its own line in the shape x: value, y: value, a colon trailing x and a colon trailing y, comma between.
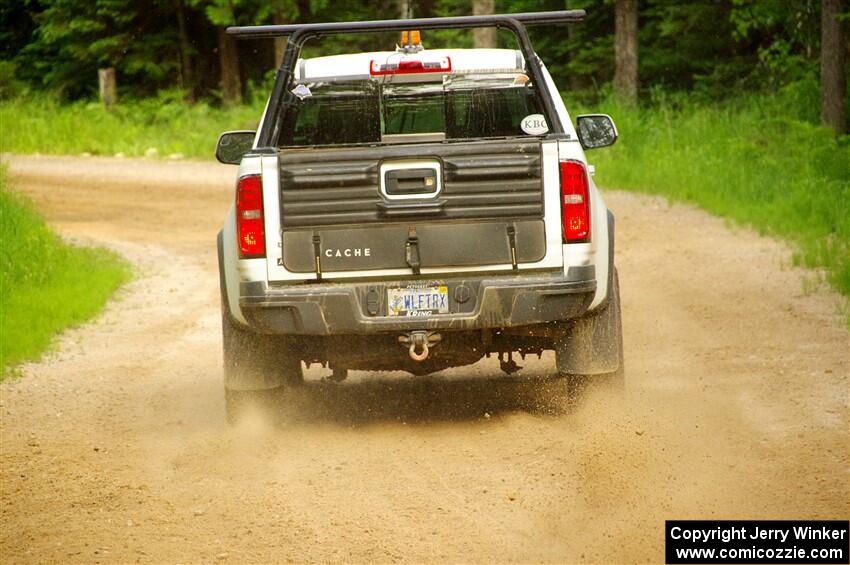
x: 411, y: 66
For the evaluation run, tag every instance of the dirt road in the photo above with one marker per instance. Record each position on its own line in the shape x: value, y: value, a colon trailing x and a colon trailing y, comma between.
x: 115, y: 449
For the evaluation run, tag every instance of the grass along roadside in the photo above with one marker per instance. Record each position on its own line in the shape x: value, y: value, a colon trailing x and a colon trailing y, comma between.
x: 751, y: 161
x: 46, y: 284
x: 759, y: 160
x: 153, y: 127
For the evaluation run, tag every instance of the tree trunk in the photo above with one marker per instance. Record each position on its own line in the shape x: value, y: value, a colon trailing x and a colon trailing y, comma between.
x: 833, y: 66
x: 626, y: 49
x: 405, y: 9
x: 484, y: 37
x: 228, y: 57
x: 108, y: 87
x: 187, y: 79
x: 279, y: 42
x: 577, y: 82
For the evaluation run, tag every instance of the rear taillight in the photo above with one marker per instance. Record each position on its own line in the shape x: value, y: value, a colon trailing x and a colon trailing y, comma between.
x: 249, y: 217
x: 575, y: 204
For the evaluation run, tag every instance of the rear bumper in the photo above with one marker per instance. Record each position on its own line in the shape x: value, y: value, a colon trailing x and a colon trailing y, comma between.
x: 360, y: 308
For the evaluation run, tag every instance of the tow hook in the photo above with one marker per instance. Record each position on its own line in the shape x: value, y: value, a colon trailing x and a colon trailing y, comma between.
x: 419, y: 339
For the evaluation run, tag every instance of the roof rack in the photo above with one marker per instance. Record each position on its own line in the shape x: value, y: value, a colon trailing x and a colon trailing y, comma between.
x: 497, y: 20
x: 281, y: 99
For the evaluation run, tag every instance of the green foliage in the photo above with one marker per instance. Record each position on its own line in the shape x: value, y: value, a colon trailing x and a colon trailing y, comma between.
x: 351, y: 10
x: 754, y: 159
x: 46, y: 285
x: 10, y: 87
x: 716, y: 47
x: 758, y: 159
x: 247, y: 12
x: 711, y: 133
x: 164, y: 124
x: 72, y: 39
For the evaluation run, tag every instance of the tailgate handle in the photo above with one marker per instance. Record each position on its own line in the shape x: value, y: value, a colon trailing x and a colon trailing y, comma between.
x: 412, y: 208
x: 411, y: 181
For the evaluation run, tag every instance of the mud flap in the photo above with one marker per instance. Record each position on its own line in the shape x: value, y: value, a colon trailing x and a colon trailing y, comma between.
x: 253, y: 361
x: 592, y: 345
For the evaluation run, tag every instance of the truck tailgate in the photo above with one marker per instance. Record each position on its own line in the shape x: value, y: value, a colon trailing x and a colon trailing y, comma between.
x: 486, y: 206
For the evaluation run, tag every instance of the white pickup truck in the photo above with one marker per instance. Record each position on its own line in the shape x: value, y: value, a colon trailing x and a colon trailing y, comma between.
x: 414, y: 210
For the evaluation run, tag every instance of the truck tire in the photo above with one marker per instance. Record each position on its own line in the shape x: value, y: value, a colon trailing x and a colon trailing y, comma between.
x: 592, y: 350
x: 257, y: 368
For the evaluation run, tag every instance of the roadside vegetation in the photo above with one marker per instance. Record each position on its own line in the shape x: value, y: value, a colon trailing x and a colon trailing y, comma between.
x: 725, y: 104
x: 154, y: 127
x: 759, y: 160
x: 46, y: 284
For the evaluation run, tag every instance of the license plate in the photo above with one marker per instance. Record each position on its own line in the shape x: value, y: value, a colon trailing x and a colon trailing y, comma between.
x: 418, y: 301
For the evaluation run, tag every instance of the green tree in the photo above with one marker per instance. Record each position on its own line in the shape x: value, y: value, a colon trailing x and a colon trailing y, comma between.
x: 715, y: 48
x: 73, y: 38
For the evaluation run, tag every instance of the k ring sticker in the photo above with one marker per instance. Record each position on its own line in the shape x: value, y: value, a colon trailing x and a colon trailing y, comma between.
x: 534, y: 124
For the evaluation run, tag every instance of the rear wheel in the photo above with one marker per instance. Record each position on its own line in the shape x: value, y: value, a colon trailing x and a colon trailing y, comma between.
x: 257, y: 367
x: 594, y: 345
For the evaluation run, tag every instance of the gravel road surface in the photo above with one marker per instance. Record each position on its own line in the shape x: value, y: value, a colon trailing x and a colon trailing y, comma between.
x: 115, y: 447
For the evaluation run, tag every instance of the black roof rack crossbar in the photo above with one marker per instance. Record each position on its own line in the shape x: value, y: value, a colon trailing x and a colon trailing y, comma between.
x: 529, y: 18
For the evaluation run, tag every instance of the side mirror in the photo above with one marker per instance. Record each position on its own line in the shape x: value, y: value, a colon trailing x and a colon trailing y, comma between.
x: 596, y: 130
x: 232, y: 146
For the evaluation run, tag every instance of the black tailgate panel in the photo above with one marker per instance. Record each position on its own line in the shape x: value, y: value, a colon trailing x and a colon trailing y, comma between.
x: 331, y: 203
x: 440, y: 245
x: 481, y: 180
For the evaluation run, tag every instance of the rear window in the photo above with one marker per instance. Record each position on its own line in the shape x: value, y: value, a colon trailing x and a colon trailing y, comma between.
x: 472, y: 106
